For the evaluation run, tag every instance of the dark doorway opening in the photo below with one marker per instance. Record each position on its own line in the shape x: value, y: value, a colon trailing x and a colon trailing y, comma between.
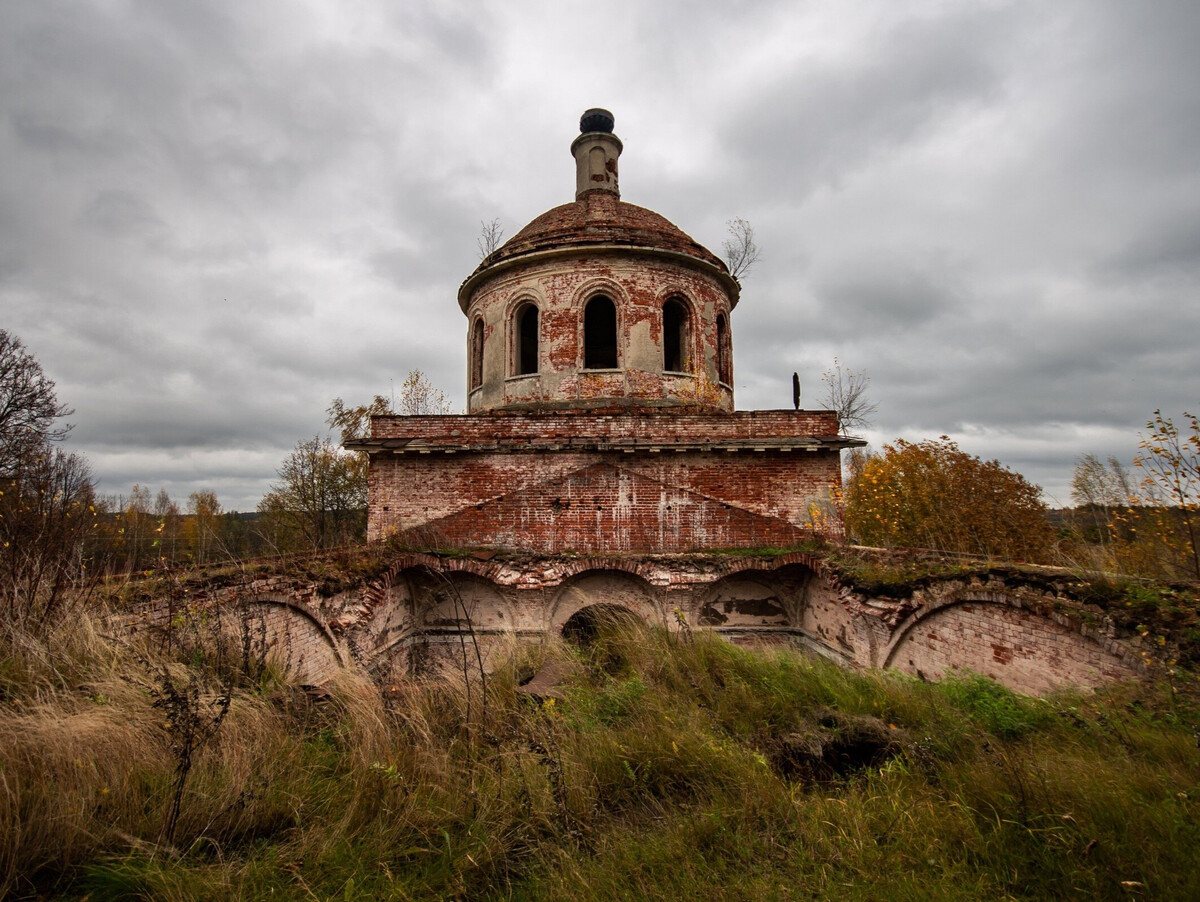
x: 586, y: 624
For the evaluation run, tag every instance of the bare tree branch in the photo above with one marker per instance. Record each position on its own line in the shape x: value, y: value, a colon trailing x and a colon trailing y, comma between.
x: 490, y: 234
x: 846, y: 393
x: 741, y: 251
x: 28, y: 406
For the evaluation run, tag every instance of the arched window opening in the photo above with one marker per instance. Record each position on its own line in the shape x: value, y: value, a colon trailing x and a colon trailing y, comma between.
x: 600, y: 334
x: 477, y: 354
x: 724, y: 363
x: 525, y: 354
x: 675, y: 336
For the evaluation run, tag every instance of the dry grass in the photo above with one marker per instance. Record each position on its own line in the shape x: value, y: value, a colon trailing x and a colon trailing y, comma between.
x: 671, y: 767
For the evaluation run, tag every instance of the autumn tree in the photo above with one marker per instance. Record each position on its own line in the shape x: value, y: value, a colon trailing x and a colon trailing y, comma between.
x: 170, y: 527
x: 47, y: 499
x: 1101, y: 484
x: 355, y: 422
x: 1144, y: 523
x: 320, y: 499
x: 204, y: 525
x: 417, y: 397
x: 47, y: 515
x: 29, y: 409
x: 490, y: 236
x: 1169, y: 460
x: 931, y: 494
x: 1105, y: 498
x: 136, y: 528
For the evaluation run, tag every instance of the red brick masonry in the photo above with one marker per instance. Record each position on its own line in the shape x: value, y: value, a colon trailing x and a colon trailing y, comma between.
x: 620, y: 482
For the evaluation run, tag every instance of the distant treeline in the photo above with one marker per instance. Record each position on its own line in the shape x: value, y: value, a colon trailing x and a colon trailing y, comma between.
x: 134, y: 532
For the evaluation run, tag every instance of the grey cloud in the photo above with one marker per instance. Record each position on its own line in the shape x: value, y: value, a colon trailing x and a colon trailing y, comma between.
x: 815, y: 125
x: 1169, y: 250
x: 214, y: 218
x: 120, y: 211
x: 877, y: 296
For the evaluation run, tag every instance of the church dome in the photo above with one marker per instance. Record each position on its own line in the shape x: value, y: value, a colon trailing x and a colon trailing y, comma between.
x: 600, y: 218
x: 599, y: 304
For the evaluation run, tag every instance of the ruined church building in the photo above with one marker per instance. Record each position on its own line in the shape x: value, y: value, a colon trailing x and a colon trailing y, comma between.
x: 602, y: 463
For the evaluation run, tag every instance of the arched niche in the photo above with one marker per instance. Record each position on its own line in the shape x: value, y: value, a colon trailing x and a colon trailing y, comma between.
x: 745, y: 600
x: 458, y: 601
x: 475, y: 379
x: 1022, y: 649
x: 724, y: 351
x: 676, y: 336
x: 526, y: 340
x: 612, y: 587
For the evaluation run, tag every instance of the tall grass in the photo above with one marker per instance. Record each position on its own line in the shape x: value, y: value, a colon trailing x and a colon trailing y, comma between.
x: 667, y: 766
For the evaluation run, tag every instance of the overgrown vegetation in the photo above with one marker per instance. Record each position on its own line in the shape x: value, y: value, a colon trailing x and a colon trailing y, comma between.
x: 664, y: 766
x: 932, y: 495
x: 1147, y: 526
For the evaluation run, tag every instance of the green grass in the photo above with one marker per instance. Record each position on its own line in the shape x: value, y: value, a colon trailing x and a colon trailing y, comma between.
x: 672, y: 767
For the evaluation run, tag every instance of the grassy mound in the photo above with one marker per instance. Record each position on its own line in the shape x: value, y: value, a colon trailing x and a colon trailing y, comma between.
x: 661, y: 766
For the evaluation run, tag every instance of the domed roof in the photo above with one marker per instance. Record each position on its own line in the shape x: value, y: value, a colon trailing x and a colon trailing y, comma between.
x: 600, y: 217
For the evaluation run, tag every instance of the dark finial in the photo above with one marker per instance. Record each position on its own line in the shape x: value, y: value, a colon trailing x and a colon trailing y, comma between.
x: 596, y: 120
x: 796, y: 390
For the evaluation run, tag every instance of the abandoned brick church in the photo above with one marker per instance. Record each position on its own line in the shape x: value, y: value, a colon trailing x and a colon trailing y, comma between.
x: 602, y: 465
x: 601, y: 416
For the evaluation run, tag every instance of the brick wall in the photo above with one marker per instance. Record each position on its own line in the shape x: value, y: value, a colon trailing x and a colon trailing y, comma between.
x: 637, y: 280
x: 603, y: 501
x: 1027, y: 637
x: 583, y: 427
x: 1027, y: 651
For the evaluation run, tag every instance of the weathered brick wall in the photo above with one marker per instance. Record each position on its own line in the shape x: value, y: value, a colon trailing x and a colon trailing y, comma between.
x: 283, y: 621
x: 604, y: 501
x: 638, y: 284
x: 1026, y: 637
x: 597, y: 482
x: 1025, y: 650
x: 648, y: 427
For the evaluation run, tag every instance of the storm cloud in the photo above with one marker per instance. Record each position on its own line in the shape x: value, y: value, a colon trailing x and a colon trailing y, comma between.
x: 216, y: 217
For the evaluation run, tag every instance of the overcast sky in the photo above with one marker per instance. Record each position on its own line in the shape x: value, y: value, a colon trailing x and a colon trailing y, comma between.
x: 217, y: 217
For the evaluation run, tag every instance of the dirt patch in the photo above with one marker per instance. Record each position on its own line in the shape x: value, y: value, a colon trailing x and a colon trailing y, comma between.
x: 836, y: 746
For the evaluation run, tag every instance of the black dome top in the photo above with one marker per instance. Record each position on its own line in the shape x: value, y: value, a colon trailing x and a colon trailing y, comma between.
x: 596, y: 120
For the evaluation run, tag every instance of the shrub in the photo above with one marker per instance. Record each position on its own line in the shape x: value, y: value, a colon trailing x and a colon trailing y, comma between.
x: 932, y: 495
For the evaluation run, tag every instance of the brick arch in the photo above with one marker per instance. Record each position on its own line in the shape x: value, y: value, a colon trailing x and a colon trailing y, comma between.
x: 416, y: 573
x: 572, y: 567
x: 791, y: 561
x: 1015, y: 640
x: 598, y: 285
x: 525, y: 294
x: 421, y: 560
x: 619, y: 588
x: 297, y: 638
